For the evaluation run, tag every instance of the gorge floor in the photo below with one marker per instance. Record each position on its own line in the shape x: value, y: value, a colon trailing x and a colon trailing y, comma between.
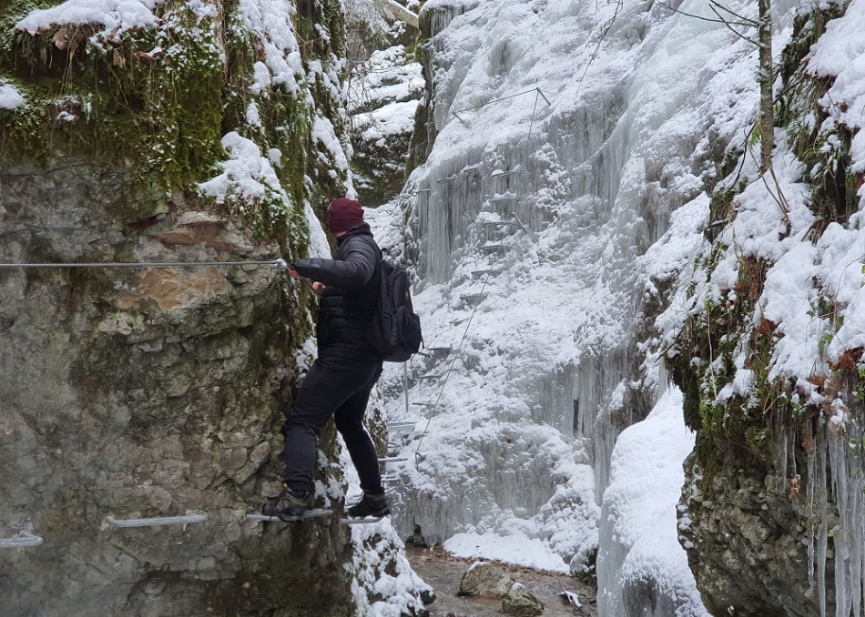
x: 443, y: 572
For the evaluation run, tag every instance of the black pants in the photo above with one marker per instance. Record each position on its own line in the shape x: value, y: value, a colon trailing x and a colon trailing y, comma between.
x: 338, y: 387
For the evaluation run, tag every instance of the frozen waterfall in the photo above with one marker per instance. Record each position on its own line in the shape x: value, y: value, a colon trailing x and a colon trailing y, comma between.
x: 569, y: 136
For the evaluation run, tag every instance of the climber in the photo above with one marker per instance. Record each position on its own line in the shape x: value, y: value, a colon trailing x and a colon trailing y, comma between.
x: 339, y: 382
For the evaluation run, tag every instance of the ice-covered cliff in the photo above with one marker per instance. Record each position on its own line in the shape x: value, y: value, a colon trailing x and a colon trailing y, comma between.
x: 573, y: 157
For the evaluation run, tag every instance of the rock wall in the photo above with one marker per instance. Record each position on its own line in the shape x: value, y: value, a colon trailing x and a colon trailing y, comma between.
x: 771, y: 508
x: 206, y: 133
x: 151, y: 392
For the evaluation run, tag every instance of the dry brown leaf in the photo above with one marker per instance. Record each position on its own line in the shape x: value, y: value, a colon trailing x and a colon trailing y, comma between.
x: 61, y: 38
x: 848, y: 360
x: 795, y: 483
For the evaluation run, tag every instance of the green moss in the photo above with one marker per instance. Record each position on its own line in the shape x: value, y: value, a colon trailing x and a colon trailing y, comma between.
x: 826, y: 152
x: 159, y: 117
x: 728, y: 430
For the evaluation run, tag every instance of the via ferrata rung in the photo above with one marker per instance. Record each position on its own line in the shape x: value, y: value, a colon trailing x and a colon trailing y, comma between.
x: 25, y: 540
x: 158, y: 521
x: 315, y: 513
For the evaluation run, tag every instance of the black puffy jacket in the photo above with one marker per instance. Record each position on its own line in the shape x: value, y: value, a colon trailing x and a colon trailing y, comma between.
x: 350, y: 298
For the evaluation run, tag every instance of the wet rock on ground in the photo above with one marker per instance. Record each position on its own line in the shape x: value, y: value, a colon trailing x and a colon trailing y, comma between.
x: 444, y: 573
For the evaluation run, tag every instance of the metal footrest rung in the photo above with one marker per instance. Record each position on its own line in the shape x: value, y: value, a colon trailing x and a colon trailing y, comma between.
x: 389, y: 477
x: 158, y: 521
x: 369, y: 520
x: 26, y: 540
x: 491, y: 271
x: 392, y: 459
x: 492, y: 248
x: 473, y: 299
x: 401, y: 427
x: 316, y: 513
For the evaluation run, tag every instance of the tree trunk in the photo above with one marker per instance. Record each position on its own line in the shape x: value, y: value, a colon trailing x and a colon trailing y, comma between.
x: 766, y: 79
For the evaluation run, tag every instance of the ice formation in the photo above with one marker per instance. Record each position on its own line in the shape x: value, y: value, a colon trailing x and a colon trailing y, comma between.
x: 563, y: 196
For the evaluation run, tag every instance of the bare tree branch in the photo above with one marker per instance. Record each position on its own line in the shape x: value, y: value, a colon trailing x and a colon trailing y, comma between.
x: 747, y: 20
x: 619, y: 6
x: 700, y: 17
x: 732, y: 29
x: 779, y: 197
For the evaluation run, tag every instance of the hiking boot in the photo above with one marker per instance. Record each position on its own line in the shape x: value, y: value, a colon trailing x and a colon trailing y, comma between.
x: 370, y: 505
x: 287, y: 506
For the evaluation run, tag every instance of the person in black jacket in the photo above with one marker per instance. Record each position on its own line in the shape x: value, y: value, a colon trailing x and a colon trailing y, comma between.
x: 340, y: 381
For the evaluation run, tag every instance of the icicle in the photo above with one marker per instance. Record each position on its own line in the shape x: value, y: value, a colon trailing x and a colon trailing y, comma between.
x: 838, y: 474
x: 822, y: 525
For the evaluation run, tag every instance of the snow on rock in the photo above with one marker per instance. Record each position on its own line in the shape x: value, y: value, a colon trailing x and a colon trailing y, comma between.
x: 10, y: 98
x: 116, y: 17
x: 247, y: 177
x: 640, y: 564
x: 380, y: 569
x: 384, y: 95
x: 840, y: 53
x: 271, y: 23
x: 249, y: 181
x: 323, y: 133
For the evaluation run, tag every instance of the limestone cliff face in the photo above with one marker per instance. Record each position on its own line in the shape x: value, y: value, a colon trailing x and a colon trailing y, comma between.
x: 771, y: 511
x: 206, y: 133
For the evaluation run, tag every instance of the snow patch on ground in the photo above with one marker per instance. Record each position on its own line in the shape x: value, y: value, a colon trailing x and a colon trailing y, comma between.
x: 516, y: 549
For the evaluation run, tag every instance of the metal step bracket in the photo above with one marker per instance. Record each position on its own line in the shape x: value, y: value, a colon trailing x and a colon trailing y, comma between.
x: 369, y: 520
x: 473, y: 299
x: 159, y: 521
x: 315, y: 513
x: 492, y: 247
x: 24, y: 540
x: 401, y: 427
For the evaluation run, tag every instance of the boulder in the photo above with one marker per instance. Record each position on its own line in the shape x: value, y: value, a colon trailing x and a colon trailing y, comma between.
x: 485, y: 581
x: 520, y: 602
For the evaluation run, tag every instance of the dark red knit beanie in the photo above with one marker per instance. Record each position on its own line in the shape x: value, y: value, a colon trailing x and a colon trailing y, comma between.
x: 343, y: 214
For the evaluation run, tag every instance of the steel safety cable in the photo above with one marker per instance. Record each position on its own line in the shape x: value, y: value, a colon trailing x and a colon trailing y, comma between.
x: 277, y: 264
x: 417, y: 453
